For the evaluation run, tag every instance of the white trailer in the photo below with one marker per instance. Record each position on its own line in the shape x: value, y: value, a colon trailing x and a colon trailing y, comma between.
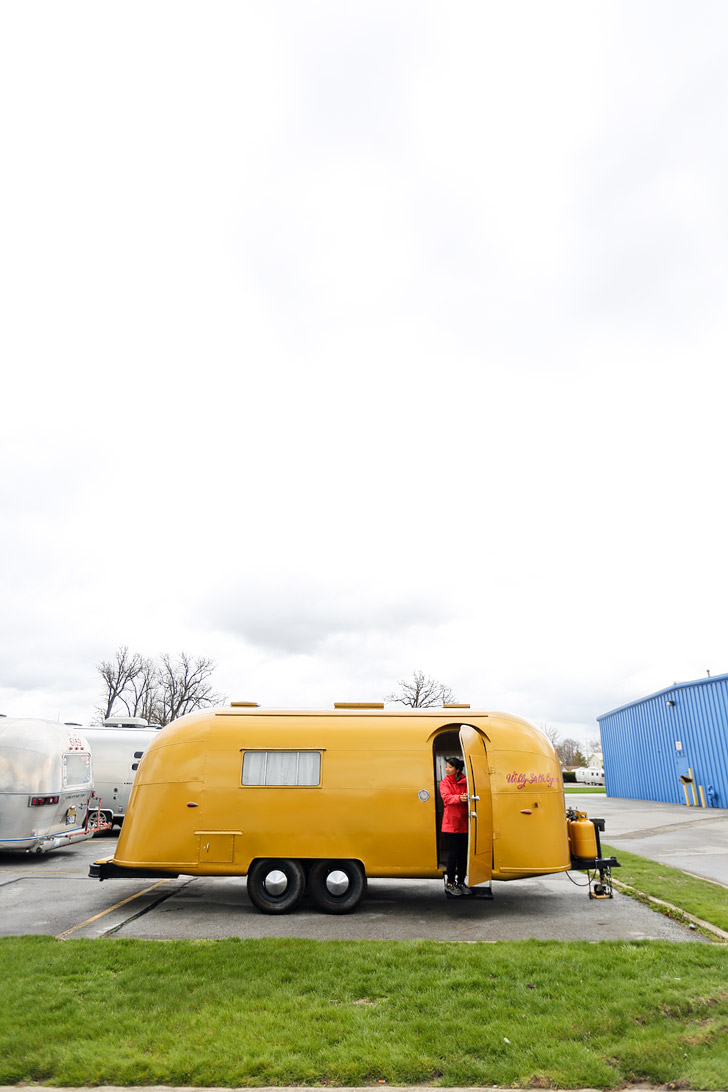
x: 46, y: 786
x: 589, y: 775
x: 117, y: 747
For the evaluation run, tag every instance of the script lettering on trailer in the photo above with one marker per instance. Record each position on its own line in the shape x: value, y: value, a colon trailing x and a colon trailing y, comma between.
x: 521, y: 780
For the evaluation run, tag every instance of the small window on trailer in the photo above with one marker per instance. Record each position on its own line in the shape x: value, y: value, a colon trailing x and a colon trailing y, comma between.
x: 282, y: 768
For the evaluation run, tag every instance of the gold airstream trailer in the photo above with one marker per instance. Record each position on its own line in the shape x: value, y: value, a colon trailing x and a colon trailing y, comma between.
x: 318, y: 801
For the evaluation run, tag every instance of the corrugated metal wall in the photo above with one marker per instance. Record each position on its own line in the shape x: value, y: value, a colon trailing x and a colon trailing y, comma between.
x: 650, y: 743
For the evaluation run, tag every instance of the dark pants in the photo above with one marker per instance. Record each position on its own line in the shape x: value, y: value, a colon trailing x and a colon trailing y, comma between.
x: 457, y: 857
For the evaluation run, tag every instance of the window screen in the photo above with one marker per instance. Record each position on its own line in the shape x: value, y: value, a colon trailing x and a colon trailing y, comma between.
x: 281, y: 768
x: 76, y: 770
x: 309, y: 768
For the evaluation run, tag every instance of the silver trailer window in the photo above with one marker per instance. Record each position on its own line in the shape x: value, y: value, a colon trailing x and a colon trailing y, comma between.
x: 76, y: 770
x: 281, y: 768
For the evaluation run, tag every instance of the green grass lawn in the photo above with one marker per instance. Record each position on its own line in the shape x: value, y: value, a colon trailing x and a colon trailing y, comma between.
x: 254, y: 1012
x: 585, y: 788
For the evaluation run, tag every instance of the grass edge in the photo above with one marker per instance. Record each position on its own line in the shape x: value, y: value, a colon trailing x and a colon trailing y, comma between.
x: 660, y: 906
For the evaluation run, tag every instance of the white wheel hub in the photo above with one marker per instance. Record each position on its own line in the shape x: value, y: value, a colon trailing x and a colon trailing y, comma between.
x: 276, y: 882
x: 337, y: 882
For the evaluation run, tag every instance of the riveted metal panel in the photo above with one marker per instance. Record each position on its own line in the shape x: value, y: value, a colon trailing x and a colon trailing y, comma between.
x: 681, y: 731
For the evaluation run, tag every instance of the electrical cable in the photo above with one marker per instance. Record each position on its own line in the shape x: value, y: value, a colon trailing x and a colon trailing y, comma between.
x: 588, y: 880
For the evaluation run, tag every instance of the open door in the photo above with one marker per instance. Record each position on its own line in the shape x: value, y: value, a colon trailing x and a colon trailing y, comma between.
x: 480, y: 810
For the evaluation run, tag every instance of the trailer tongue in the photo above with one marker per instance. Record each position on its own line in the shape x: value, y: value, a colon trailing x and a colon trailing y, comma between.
x: 586, y: 853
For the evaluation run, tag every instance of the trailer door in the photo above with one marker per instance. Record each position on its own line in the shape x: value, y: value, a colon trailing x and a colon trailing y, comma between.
x: 480, y: 811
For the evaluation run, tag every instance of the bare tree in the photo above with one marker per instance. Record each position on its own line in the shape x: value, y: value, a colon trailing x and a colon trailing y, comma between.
x: 144, y: 692
x: 119, y: 677
x: 185, y: 685
x: 551, y: 733
x: 569, y: 753
x: 157, y: 691
x: 421, y: 692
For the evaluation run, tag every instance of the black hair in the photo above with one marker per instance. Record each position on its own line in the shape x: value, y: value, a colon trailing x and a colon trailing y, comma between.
x: 457, y: 763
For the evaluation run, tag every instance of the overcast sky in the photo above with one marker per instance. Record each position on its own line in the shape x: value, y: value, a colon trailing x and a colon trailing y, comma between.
x: 345, y: 339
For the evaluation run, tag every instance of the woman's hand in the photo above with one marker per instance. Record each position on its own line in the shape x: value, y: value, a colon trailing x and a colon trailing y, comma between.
x: 463, y: 797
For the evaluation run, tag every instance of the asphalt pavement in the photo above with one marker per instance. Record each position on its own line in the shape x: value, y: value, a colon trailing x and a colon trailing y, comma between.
x: 54, y: 896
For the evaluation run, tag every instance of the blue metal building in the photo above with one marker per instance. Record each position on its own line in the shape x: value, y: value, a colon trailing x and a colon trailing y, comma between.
x: 671, y: 746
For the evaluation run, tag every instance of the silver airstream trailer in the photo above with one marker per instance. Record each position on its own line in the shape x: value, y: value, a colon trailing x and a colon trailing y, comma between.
x: 117, y: 747
x: 589, y: 775
x: 46, y: 785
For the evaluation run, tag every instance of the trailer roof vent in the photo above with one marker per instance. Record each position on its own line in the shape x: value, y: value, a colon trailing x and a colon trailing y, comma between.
x: 244, y: 705
x: 358, y: 705
x: 456, y: 705
x: 125, y: 722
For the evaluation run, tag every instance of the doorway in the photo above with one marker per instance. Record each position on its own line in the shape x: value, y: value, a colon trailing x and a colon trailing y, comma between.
x: 446, y: 743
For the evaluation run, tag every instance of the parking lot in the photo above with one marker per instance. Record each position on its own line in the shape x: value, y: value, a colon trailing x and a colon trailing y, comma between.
x: 53, y: 895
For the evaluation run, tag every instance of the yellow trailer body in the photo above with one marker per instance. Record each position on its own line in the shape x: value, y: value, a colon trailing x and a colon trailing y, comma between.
x: 221, y: 791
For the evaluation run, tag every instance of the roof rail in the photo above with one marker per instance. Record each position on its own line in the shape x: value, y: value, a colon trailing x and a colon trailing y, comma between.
x: 358, y: 705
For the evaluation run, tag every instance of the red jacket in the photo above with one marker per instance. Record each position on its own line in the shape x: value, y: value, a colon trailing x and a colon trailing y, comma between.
x: 455, y: 818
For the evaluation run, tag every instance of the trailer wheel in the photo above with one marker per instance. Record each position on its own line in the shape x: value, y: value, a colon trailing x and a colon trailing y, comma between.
x: 276, y: 886
x: 337, y: 887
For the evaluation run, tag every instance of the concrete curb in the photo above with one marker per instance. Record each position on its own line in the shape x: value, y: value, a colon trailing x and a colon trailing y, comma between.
x: 706, y: 926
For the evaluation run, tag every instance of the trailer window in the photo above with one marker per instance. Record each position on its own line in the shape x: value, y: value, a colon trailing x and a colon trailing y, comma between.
x: 281, y: 768
x: 76, y: 770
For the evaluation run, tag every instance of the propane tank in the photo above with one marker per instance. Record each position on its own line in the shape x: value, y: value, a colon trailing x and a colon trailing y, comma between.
x: 582, y: 837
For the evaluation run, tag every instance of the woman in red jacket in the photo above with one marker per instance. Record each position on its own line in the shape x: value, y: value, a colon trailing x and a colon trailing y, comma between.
x: 454, y: 793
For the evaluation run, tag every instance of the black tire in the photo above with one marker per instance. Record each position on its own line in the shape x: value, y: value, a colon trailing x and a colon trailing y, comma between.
x: 276, y: 885
x: 337, y: 887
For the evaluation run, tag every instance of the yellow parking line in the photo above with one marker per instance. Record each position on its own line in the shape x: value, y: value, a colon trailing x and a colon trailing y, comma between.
x: 62, y: 936
x: 36, y: 875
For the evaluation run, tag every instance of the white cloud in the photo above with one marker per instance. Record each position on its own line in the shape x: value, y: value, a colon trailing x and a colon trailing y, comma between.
x: 346, y: 341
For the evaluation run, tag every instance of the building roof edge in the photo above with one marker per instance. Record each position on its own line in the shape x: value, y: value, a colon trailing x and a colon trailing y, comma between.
x: 666, y: 690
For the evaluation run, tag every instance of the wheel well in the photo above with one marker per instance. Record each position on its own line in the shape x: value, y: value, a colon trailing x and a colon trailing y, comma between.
x: 307, y: 862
